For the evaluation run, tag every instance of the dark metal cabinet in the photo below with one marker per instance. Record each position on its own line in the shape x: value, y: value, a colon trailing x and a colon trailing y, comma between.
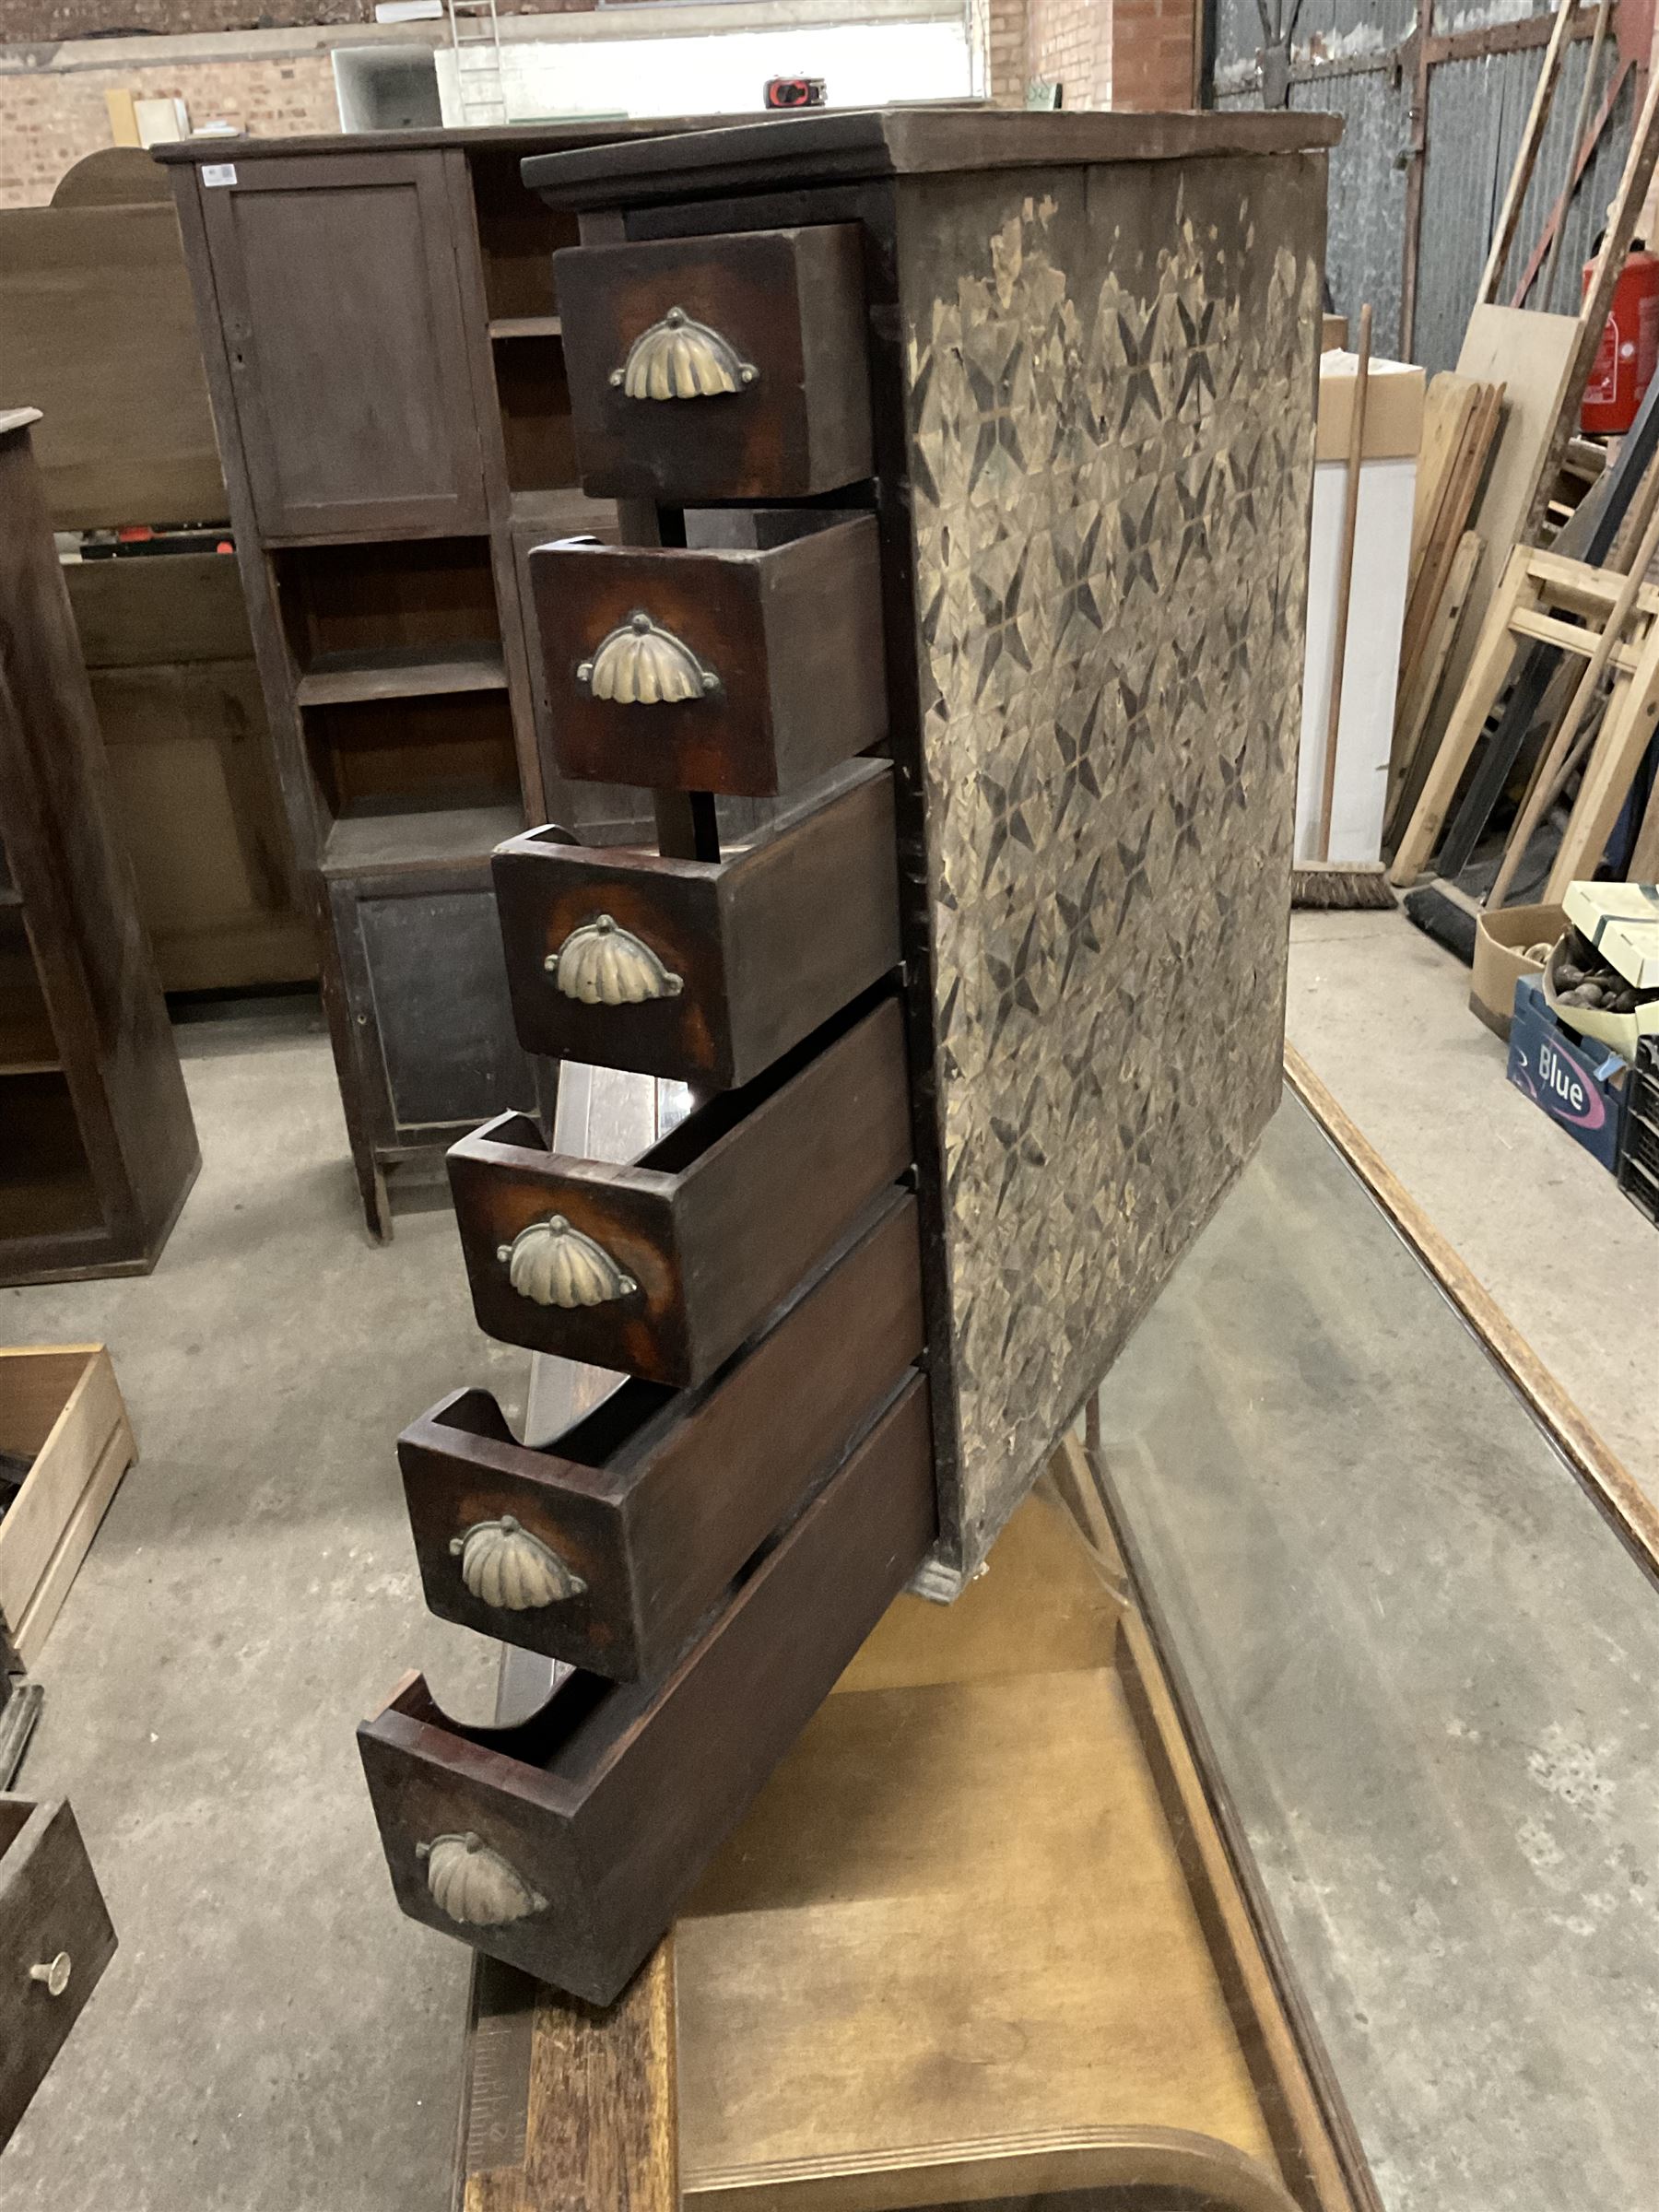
x: 347, y: 345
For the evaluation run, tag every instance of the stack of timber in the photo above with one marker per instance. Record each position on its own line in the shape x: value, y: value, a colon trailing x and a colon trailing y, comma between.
x: 1543, y: 361
x: 1460, y: 423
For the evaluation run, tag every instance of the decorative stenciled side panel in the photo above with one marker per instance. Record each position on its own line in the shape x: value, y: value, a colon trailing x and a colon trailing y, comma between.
x: 1111, y: 388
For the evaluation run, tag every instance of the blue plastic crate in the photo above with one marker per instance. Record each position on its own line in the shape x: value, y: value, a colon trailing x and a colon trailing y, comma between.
x: 1577, y: 1082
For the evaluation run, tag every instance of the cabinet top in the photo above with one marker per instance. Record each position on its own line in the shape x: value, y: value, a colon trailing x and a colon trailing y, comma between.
x: 837, y: 145
x: 507, y: 138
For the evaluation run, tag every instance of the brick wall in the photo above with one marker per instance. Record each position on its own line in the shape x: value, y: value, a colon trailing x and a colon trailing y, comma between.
x: 1154, y: 50
x: 1006, y: 43
x: 1113, y: 53
x: 49, y: 118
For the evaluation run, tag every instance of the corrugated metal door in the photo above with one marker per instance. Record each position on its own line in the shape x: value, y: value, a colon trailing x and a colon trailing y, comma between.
x: 1360, y: 59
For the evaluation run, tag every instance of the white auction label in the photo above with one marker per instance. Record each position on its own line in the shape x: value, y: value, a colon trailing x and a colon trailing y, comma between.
x: 219, y: 172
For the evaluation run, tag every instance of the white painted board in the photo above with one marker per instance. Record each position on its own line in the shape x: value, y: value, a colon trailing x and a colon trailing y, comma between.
x: 1371, y: 673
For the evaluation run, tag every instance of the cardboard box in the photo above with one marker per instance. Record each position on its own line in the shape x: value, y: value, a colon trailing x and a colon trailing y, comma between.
x: 1393, y: 409
x: 1576, y: 1085
x: 1503, y: 944
x: 60, y: 1405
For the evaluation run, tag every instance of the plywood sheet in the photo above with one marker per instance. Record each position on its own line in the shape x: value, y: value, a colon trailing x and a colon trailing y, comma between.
x: 957, y: 1913
x: 1529, y: 355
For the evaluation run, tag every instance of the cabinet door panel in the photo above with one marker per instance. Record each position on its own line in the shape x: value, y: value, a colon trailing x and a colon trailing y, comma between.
x: 343, y: 320
x: 445, y: 1024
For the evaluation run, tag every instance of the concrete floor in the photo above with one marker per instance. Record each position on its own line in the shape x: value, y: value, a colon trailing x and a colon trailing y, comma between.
x: 273, y: 2035
x: 1428, y: 1670
x: 1380, y: 1013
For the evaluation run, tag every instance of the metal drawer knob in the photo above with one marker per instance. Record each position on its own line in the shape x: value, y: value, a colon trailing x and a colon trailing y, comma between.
x: 503, y: 1565
x: 55, y: 1974
x: 682, y: 359
x: 639, y: 664
x: 602, y: 964
x: 475, y: 1885
x: 553, y: 1265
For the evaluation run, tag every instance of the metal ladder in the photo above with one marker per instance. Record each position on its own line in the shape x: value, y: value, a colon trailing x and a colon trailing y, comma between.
x: 476, y: 35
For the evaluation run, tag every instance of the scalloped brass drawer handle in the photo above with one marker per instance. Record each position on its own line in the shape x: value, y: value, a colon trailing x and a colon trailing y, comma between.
x: 602, y: 964
x: 504, y: 1566
x: 639, y: 664
x: 475, y: 1885
x: 682, y: 359
x: 552, y: 1264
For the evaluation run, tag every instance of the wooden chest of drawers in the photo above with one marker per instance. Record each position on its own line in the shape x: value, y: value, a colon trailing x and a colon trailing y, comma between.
x: 981, y: 997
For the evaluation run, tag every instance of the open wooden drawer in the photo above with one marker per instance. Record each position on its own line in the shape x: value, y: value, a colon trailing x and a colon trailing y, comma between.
x: 703, y: 971
x: 747, y: 669
x: 662, y: 1268
x: 980, y: 1941
x: 725, y: 368
x: 55, y: 1940
x: 606, y: 1547
x: 563, y: 1845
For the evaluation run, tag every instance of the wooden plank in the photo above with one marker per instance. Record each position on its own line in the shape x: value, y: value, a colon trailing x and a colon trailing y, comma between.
x: 1416, y: 701
x: 1494, y: 655
x: 1468, y: 465
x: 1549, y: 630
x: 407, y: 672
x: 1447, y: 406
x: 1531, y: 356
x: 1621, y: 748
x: 1585, y: 590
x: 1532, y: 138
x: 74, y: 1543
x: 604, y: 2127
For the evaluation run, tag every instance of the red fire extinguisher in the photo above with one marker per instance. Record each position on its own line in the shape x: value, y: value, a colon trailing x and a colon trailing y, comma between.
x: 1630, y: 346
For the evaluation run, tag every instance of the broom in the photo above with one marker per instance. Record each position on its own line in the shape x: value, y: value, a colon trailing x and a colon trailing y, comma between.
x: 1326, y: 882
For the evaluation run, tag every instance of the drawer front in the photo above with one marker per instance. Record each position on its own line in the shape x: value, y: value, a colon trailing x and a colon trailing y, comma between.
x: 744, y: 670
x: 725, y: 368
x: 608, y: 1547
x: 564, y: 1846
x: 662, y: 1269
x: 702, y: 973
x: 55, y: 1940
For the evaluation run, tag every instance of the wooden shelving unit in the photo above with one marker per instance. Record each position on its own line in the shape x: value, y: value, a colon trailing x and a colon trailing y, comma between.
x: 394, y: 418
